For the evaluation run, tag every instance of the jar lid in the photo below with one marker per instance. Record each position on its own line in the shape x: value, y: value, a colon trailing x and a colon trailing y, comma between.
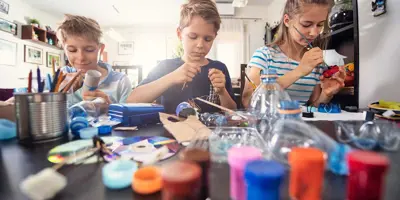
x: 312, y: 157
x: 367, y: 160
x: 147, y: 180
x: 264, y: 173
x: 181, y: 177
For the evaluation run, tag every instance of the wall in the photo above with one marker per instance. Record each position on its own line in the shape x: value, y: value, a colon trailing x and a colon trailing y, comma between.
x: 18, y: 11
x: 379, y: 53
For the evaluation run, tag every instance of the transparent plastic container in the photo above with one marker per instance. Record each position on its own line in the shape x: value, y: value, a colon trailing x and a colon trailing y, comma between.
x: 369, y: 135
x: 222, y: 139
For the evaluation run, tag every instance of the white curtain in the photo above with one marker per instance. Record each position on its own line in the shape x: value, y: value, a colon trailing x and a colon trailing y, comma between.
x: 230, y: 45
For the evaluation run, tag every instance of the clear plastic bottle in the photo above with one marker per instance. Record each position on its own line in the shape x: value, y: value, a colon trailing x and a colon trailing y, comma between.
x: 89, y: 109
x: 265, y: 100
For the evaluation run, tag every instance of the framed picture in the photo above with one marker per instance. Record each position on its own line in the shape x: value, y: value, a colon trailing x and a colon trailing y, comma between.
x: 8, y: 53
x: 4, y: 7
x: 120, y: 63
x: 125, y: 48
x: 57, y: 60
x: 33, y: 55
x: 8, y: 26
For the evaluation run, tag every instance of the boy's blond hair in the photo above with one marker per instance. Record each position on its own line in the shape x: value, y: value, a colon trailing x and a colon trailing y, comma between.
x: 206, y: 9
x: 74, y: 25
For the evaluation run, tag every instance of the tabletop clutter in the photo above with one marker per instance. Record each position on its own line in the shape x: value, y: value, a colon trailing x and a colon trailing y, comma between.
x: 260, y: 144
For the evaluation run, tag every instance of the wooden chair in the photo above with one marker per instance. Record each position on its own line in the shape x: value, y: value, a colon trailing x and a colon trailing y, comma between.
x: 126, y: 70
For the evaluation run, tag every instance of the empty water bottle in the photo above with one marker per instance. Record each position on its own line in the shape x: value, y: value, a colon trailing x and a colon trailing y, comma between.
x: 265, y: 100
x: 89, y: 109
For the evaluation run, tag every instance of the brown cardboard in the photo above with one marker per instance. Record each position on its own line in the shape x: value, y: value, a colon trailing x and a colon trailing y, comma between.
x: 7, y: 111
x: 184, y: 131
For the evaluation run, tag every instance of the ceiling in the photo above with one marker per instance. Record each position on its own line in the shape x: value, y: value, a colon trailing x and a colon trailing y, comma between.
x: 123, y: 12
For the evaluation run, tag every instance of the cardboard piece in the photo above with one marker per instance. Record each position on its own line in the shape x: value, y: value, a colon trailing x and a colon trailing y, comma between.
x: 184, y: 131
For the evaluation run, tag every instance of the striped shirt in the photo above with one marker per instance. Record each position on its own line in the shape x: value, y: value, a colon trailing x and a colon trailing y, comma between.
x: 271, y: 57
x: 116, y: 85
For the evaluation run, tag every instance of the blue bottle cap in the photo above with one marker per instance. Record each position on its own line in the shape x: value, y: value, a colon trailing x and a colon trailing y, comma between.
x: 8, y: 129
x: 88, y: 133
x: 289, y: 105
x: 264, y: 173
x: 269, y: 72
x: 78, y: 123
x: 104, y: 130
x: 181, y: 107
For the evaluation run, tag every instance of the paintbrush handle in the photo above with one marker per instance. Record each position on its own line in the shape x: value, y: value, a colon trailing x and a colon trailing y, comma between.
x: 71, y: 83
x: 221, y: 107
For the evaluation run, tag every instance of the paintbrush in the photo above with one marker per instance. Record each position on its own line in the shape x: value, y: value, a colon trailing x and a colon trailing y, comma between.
x: 250, y: 81
x: 61, y: 78
x: 310, y: 46
x: 221, y: 107
x: 55, y: 80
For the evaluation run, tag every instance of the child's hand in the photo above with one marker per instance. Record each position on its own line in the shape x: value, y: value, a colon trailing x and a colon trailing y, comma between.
x: 331, y: 86
x: 69, y: 77
x: 90, y: 95
x: 310, y: 60
x: 186, y: 72
x: 217, y: 79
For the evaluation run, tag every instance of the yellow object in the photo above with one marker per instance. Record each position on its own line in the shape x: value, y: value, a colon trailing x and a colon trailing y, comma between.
x: 350, y: 67
x: 389, y: 104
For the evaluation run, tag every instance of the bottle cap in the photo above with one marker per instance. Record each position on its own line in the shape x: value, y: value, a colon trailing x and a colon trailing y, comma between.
x: 118, y: 174
x: 88, y: 133
x: 264, y: 173
x: 78, y: 123
x: 239, y: 156
x: 146, y: 180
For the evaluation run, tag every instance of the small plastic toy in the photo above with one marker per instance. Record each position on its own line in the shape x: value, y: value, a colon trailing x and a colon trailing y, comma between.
x: 330, y: 71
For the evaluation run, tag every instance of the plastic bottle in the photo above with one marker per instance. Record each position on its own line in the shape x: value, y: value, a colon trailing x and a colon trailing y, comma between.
x: 265, y: 100
x: 263, y: 179
x: 89, y: 109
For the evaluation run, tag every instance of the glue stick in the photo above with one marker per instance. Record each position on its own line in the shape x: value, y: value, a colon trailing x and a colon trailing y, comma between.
x: 366, y: 175
x: 307, y: 167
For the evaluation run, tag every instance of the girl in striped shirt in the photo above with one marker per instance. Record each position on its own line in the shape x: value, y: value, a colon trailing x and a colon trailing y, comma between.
x: 299, y: 68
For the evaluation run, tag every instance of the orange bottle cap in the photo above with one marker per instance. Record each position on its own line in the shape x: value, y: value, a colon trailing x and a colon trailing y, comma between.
x: 147, y: 180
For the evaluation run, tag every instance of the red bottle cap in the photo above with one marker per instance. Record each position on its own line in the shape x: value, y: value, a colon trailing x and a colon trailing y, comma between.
x: 365, y: 160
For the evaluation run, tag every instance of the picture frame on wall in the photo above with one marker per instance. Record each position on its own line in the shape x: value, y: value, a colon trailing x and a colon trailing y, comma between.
x: 4, y: 7
x: 120, y: 63
x: 33, y: 55
x: 8, y: 26
x: 125, y: 48
x: 8, y: 53
x: 57, y: 60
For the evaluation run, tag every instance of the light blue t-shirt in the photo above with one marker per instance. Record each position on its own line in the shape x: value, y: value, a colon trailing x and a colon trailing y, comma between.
x: 272, y: 57
x: 116, y: 85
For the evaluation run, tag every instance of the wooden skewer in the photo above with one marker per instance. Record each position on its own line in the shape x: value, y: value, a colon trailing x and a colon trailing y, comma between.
x: 221, y: 107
